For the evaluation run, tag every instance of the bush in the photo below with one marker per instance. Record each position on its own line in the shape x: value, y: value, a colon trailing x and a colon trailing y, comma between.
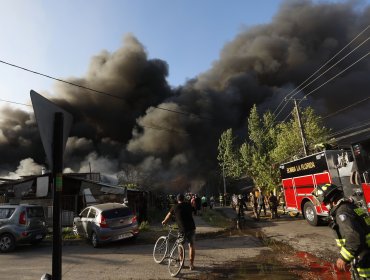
x: 67, y: 234
x: 144, y: 226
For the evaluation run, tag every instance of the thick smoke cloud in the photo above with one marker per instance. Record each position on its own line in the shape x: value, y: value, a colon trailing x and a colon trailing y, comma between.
x: 261, y: 65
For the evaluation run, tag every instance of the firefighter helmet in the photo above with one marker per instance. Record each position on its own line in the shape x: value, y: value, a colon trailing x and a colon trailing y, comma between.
x: 328, y: 193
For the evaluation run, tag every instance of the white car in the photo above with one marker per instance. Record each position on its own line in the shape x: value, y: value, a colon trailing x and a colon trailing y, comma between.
x: 103, y: 223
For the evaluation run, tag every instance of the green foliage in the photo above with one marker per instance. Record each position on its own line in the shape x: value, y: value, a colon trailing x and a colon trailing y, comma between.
x: 144, y: 226
x: 131, y: 186
x: 269, y: 145
x: 289, y: 142
x: 67, y: 234
x: 227, y: 155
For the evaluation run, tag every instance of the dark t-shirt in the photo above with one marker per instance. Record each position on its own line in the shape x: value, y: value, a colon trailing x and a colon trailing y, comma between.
x: 273, y: 201
x: 184, y: 216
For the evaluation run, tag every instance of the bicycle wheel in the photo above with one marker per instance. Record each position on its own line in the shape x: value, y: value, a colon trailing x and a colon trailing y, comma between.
x: 160, y: 249
x: 176, y: 260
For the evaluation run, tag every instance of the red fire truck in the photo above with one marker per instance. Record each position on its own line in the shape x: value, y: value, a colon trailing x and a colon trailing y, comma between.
x: 347, y: 168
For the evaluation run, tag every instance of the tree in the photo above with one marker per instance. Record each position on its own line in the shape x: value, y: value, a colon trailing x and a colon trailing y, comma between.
x: 288, y: 141
x: 227, y: 156
x: 268, y: 145
x: 255, y: 154
x: 133, y: 176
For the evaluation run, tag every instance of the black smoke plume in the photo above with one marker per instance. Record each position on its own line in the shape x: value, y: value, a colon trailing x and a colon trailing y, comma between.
x: 135, y: 123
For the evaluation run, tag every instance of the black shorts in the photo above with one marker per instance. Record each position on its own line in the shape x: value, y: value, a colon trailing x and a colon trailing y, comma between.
x: 188, y: 236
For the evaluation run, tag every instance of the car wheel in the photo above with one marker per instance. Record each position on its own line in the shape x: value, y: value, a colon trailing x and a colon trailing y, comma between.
x: 7, y: 243
x: 94, y: 240
x: 310, y: 214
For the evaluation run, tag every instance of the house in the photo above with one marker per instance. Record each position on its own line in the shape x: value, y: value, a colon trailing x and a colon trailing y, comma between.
x: 79, y: 190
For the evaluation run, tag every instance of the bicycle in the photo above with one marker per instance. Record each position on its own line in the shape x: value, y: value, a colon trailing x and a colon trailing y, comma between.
x: 176, y: 257
x: 162, y: 244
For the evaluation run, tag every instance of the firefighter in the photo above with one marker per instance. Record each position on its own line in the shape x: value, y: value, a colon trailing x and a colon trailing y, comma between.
x: 352, y: 227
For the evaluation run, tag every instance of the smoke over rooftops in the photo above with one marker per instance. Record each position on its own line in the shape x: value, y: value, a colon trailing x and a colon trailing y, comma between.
x: 261, y: 65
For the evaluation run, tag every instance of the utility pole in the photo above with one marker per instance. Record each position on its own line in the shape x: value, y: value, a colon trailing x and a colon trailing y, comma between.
x: 223, y: 175
x: 304, y: 142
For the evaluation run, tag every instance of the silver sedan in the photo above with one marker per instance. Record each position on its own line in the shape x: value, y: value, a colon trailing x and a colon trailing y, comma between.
x: 103, y: 223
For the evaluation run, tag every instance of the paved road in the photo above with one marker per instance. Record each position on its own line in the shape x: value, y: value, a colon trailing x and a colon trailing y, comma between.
x: 296, y: 232
x: 134, y: 261
x: 123, y: 260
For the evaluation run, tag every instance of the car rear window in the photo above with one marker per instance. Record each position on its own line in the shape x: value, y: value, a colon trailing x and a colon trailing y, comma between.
x: 35, y: 212
x: 117, y: 213
x: 6, y: 213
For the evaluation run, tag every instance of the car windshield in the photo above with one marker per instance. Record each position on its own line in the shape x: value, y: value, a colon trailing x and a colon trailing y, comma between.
x: 35, y: 212
x: 5, y: 213
x: 117, y: 213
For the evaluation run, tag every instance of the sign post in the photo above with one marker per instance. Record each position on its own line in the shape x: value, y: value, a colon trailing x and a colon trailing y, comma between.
x: 57, y: 192
x: 54, y: 125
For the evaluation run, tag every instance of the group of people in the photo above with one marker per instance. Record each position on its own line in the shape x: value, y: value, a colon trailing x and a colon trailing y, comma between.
x: 200, y: 204
x: 260, y: 202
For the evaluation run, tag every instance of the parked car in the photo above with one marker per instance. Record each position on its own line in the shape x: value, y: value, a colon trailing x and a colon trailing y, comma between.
x: 103, y: 223
x: 21, y: 223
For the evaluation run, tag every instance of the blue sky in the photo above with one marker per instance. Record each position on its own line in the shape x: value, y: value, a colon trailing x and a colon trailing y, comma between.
x: 58, y: 38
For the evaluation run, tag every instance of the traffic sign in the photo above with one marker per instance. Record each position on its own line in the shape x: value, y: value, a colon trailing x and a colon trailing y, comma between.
x: 44, y: 112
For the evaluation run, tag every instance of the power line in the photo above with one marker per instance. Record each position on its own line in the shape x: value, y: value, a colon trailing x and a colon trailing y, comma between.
x: 295, y: 91
x: 345, y: 108
x: 327, y: 70
x: 341, y: 72
x: 350, y: 135
x: 165, y: 129
x: 146, y: 126
x: 13, y: 102
x: 97, y: 91
x: 349, y: 128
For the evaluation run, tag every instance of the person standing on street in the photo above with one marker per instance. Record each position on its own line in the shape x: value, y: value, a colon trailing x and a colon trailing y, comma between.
x: 261, y: 204
x: 254, y: 204
x: 240, y: 206
x: 282, y: 200
x: 273, y: 203
x: 185, y: 222
x: 221, y: 199
x: 211, y: 202
x: 352, y: 227
x: 193, y: 205
x: 204, y: 203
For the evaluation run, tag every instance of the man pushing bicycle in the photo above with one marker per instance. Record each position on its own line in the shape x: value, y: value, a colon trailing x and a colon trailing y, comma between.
x: 185, y: 222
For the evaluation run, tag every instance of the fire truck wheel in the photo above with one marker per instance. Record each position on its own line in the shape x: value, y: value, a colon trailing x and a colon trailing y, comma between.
x: 310, y: 214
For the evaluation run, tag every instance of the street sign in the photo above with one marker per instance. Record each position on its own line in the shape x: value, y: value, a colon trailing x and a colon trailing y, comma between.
x: 54, y: 125
x: 44, y: 112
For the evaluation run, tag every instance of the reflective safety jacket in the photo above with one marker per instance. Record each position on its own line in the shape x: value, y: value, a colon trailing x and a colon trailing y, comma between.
x: 352, y: 227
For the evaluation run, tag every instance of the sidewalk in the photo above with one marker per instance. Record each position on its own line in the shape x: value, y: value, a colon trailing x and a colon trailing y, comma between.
x: 204, y: 227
